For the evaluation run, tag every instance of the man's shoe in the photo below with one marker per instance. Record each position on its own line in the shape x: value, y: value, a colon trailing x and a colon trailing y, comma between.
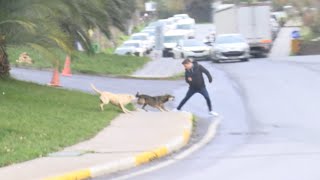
x: 212, y: 113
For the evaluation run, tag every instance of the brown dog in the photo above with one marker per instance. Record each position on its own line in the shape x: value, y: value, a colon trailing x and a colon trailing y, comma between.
x: 120, y: 100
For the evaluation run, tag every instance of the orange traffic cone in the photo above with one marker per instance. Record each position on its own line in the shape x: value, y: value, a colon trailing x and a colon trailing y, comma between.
x: 55, y: 82
x: 67, y: 69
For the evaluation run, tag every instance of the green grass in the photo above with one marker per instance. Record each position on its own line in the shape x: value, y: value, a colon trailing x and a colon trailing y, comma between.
x: 307, y: 34
x: 102, y: 64
x: 36, y: 120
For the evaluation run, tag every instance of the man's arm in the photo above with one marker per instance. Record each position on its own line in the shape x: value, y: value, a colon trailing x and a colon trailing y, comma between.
x: 204, y: 70
x: 186, y: 77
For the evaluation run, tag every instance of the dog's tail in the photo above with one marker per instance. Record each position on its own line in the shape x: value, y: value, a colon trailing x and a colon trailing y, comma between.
x: 95, y: 89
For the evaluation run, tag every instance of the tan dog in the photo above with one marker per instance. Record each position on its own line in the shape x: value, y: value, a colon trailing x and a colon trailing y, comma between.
x: 120, y: 100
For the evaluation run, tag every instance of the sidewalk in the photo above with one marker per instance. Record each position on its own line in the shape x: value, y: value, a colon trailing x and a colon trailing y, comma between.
x: 282, y: 45
x: 130, y: 140
x: 160, y: 68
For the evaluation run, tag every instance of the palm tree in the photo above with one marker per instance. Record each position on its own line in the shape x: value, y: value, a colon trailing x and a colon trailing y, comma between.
x: 28, y: 23
x: 60, y: 23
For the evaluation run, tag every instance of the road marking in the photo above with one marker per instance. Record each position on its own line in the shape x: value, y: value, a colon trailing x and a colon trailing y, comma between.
x: 212, y: 130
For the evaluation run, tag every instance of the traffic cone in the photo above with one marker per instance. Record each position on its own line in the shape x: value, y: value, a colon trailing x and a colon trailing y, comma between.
x: 55, y: 82
x: 67, y: 69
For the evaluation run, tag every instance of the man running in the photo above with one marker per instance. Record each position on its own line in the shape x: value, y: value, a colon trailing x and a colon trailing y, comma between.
x: 194, y: 77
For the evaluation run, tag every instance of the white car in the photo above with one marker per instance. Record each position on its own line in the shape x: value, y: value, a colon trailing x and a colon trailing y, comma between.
x: 146, y: 40
x: 170, y: 40
x: 131, y: 47
x: 230, y: 47
x: 192, y: 48
x: 182, y: 16
x: 167, y: 24
x: 275, y: 27
x: 151, y: 33
x: 188, y: 26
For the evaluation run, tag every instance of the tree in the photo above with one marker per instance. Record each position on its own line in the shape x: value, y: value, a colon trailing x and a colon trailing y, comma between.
x: 201, y: 10
x: 45, y: 24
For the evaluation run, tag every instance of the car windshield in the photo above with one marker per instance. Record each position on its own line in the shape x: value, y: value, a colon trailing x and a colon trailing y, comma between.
x: 192, y: 43
x: 139, y: 38
x: 151, y: 33
x: 153, y: 24
x: 229, y: 39
x: 136, y: 45
x: 172, y: 39
x: 182, y: 16
x: 184, y: 26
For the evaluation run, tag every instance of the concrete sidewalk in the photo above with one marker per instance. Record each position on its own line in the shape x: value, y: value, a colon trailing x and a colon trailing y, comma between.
x: 282, y: 45
x: 130, y: 140
x: 160, y: 68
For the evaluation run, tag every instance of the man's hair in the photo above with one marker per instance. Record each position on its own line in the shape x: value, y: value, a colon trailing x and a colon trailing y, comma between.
x: 187, y: 61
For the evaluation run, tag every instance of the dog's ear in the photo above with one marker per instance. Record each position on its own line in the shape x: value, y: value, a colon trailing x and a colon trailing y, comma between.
x: 137, y: 95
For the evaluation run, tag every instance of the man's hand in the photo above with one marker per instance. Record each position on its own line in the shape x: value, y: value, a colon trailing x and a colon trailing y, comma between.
x: 189, y: 79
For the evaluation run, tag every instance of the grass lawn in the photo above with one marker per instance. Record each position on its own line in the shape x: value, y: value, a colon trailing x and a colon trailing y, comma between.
x: 102, y: 64
x: 36, y: 120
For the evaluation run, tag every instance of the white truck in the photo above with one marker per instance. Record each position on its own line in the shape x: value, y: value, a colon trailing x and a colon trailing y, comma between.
x: 171, y: 40
x: 252, y: 21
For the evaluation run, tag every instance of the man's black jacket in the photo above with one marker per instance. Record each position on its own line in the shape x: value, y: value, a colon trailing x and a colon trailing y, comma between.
x: 196, y: 73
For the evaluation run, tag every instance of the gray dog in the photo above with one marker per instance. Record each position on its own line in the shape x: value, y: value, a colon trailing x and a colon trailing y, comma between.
x: 154, y: 101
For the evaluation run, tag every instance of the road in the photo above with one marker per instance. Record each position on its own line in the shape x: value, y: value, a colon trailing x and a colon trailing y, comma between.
x: 270, y: 127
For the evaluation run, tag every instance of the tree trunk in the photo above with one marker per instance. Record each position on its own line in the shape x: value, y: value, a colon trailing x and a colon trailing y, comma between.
x: 4, y: 62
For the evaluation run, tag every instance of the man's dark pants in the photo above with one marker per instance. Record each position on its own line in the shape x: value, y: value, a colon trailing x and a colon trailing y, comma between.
x: 203, y: 91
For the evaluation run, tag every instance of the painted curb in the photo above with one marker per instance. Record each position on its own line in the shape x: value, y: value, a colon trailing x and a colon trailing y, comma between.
x: 130, y: 162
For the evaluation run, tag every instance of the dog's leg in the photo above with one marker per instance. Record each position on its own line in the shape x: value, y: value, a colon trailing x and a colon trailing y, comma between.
x: 164, y: 108
x: 143, y: 107
x: 124, y: 109
x: 159, y: 107
x: 103, y: 101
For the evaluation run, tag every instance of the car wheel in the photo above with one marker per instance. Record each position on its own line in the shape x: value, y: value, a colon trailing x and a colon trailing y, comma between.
x: 182, y: 55
x: 244, y: 59
x: 164, y: 54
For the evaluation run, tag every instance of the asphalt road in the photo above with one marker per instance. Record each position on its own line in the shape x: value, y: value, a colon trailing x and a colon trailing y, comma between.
x: 271, y: 124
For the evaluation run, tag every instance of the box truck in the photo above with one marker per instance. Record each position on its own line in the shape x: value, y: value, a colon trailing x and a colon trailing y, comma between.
x: 250, y: 20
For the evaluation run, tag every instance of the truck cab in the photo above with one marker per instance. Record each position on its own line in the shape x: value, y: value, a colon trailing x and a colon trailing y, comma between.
x: 171, y: 39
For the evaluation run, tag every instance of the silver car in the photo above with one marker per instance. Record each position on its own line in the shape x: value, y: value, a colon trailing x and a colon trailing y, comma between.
x: 230, y: 47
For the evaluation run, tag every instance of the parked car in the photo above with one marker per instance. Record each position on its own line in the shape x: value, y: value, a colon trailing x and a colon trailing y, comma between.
x: 131, y: 47
x: 151, y: 33
x: 230, y: 47
x: 170, y: 40
x: 192, y: 48
x: 168, y: 24
x: 146, y: 40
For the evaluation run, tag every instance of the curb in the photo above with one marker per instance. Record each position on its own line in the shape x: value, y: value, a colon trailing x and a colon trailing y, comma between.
x: 130, y: 162
x: 210, y: 135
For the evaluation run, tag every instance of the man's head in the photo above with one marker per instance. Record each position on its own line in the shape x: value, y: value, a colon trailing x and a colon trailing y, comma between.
x: 187, y: 63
